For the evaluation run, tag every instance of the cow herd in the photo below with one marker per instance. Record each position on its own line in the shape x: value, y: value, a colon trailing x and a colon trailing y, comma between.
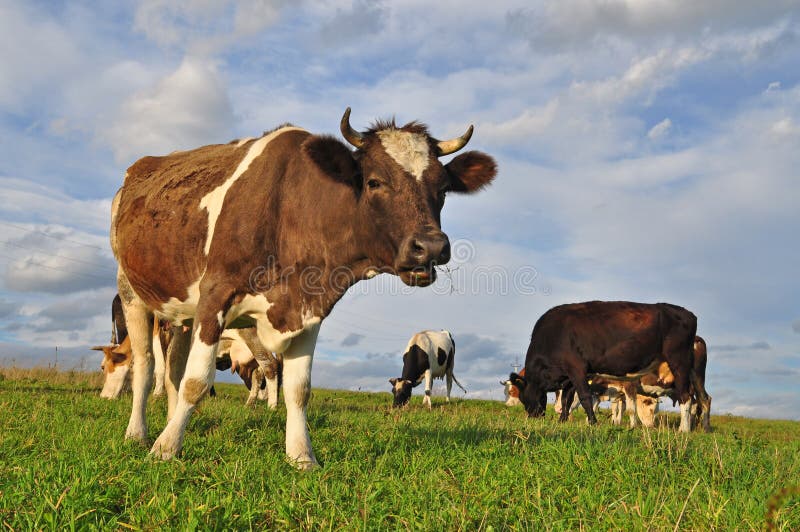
x: 231, y: 256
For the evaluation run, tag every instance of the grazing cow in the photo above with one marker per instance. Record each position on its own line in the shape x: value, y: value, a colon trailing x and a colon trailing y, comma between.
x: 429, y: 355
x: 573, y: 343
x: 117, y: 357
x: 510, y: 391
x: 242, y: 352
x: 273, y: 232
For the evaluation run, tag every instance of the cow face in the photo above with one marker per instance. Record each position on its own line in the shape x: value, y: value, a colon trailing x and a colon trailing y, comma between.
x: 116, y: 366
x: 401, y: 389
x: 400, y: 186
x: 646, y: 409
x: 533, y: 398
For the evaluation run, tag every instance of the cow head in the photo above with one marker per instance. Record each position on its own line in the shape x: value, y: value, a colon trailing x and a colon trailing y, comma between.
x: 401, y: 389
x: 533, y: 398
x: 400, y: 187
x: 646, y: 409
x: 116, y: 366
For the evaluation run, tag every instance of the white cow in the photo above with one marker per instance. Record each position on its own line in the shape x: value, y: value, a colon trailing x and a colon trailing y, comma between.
x: 429, y: 355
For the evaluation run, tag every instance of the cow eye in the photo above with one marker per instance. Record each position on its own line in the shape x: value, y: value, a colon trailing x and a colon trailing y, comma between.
x: 373, y: 183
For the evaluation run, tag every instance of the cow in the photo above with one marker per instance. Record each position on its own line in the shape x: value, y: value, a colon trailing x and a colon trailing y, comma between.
x: 618, y: 393
x: 510, y: 391
x: 575, y: 342
x: 272, y: 232
x: 117, y: 357
x: 242, y: 352
x: 429, y: 355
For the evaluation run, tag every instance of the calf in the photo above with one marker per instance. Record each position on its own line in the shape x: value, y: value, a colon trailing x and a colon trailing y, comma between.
x: 428, y: 355
x: 571, y: 343
x: 662, y: 382
x: 242, y: 352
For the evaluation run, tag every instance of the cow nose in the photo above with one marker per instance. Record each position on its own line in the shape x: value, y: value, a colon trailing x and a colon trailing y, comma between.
x: 428, y: 248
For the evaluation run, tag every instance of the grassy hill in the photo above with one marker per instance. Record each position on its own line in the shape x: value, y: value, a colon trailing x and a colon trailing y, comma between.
x: 469, y: 465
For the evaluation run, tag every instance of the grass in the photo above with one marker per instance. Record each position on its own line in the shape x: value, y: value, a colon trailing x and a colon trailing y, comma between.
x: 469, y: 465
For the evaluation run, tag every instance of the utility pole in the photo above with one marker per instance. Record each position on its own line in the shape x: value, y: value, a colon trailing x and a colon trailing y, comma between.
x: 56, y: 366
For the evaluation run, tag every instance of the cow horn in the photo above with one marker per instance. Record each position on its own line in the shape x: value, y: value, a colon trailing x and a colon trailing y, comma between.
x: 351, y: 135
x: 97, y: 347
x: 446, y: 147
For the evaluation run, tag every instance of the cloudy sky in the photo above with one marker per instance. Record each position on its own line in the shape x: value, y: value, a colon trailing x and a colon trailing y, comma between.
x: 648, y: 151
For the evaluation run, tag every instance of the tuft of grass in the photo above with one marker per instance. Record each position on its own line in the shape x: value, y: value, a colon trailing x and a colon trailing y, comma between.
x: 467, y: 465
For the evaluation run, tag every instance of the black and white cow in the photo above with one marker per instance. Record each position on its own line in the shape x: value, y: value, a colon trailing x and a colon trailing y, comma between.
x: 428, y: 355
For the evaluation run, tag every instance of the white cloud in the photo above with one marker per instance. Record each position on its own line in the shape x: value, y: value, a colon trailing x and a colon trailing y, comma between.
x: 660, y: 130
x: 189, y: 107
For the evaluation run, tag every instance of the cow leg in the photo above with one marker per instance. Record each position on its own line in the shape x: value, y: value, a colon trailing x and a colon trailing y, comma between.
x: 449, y: 382
x: 617, y: 410
x: 686, y: 416
x: 255, y: 385
x: 272, y: 390
x: 630, y: 389
x: 139, y: 321
x: 428, y: 385
x: 177, y: 353
x: 197, y: 380
x: 567, y: 395
x: 296, y: 391
x: 703, y: 399
x: 160, y: 364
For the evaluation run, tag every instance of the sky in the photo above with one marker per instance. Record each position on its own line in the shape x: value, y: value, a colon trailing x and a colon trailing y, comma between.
x: 647, y: 151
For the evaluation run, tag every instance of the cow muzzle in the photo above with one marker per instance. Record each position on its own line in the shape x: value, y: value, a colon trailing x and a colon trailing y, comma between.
x: 420, y: 254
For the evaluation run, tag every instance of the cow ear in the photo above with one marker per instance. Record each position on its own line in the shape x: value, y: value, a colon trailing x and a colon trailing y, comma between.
x: 333, y: 159
x: 393, y: 381
x: 517, y: 381
x: 471, y: 171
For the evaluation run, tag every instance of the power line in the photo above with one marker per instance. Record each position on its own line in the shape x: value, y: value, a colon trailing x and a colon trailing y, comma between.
x: 48, y: 235
x: 96, y: 264
x: 34, y: 263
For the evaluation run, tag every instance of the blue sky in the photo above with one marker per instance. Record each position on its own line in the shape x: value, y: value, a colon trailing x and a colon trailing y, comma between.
x: 648, y: 151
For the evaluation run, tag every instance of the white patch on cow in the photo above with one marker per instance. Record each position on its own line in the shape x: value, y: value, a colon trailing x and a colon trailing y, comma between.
x: 655, y: 390
x: 177, y: 311
x: 213, y: 201
x: 371, y: 273
x: 243, y: 141
x: 409, y: 150
x: 273, y: 340
x: 220, y: 319
x: 115, y: 381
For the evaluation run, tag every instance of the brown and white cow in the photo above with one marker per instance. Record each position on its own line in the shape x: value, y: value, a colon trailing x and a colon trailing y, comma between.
x: 510, y: 391
x: 429, y: 355
x: 624, y: 340
x: 273, y: 231
x: 116, y: 363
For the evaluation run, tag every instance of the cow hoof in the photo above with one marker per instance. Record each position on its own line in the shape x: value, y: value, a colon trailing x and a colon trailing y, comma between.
x: 166, y: 447
x: 137, y: 435
x: 304, y: 464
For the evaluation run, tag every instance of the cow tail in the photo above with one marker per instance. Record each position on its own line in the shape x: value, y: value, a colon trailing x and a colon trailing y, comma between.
x: 459, y: 384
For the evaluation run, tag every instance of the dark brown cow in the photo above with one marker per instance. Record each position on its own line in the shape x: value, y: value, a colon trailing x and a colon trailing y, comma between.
x: 624, y: 340
x: 273, y: 231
